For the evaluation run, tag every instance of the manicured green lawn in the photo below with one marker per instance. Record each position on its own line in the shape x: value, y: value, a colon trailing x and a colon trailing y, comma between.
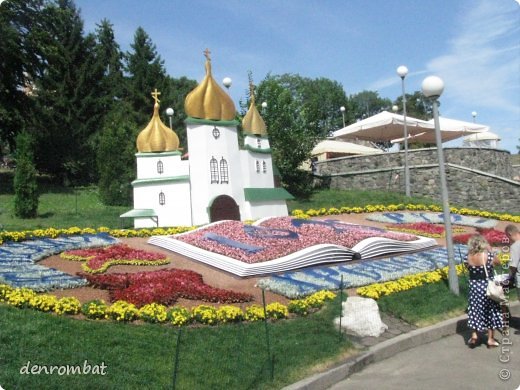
x: 63, y: 207
x: 354, y: 198
x: 59, y: 207
x: 430, y: 303
x: 142, y: 356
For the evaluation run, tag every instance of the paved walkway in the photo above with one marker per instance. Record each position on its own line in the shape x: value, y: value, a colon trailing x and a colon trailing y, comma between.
x: 446, y: 364
x: 435, y: 357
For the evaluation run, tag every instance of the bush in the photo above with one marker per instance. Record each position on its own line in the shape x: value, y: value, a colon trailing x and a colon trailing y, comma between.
x: 115, y: 157
x: 25, y: 184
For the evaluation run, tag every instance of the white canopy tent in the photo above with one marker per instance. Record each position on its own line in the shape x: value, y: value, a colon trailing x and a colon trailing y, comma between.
x: 450, y: 129
x: 340, y: 147
x: 384, y: 126
x: 485, y: 139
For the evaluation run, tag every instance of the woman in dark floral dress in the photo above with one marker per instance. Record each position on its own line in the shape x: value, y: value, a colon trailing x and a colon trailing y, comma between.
x: 483, y: 313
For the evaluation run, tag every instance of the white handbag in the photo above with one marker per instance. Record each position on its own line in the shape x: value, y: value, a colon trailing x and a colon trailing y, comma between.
x: 494, y: 290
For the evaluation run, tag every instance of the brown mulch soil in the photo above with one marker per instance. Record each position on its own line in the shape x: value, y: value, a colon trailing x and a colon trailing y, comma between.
x: 212, y: 276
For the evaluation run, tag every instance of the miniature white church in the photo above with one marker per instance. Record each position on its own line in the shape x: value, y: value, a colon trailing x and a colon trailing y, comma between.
x: 219, y: 180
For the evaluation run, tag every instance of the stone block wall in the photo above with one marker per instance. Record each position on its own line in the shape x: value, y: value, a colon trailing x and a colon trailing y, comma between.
x: 477, y: 178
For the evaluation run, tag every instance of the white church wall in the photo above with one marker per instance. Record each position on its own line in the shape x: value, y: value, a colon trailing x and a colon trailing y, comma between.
x: 205, y: 146
x: 152, y: 165
x: 176, y: 209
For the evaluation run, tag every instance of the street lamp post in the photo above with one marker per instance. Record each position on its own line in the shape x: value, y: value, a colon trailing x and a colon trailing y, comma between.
x: 433, y: 87
x: 264, y: 105
x: 342, y: 109
x: 474, y: 115
x: 402, y: 71
x: 227, y: 82
x: 169, y: 112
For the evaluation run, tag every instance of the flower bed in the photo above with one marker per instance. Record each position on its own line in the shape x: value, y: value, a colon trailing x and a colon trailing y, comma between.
x: 122, y: 311
x: 162, y: 286
x: 308, y: 281
x: 278, y: 237
x: 10, y: 236
x: 98, y: 260
x: 493, y: 236
x: 434, y: 218
x: 426, y: 229
x: 18, y: 260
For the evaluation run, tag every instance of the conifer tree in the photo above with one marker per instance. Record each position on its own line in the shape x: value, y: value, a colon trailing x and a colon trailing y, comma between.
x: 69, y: 110
x: 116, y: 155
x: 146, y: 73
x: 25, y: 182
x: 110, y: 58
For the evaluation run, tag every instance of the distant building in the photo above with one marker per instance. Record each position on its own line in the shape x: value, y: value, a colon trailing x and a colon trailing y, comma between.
x: 219, y: 180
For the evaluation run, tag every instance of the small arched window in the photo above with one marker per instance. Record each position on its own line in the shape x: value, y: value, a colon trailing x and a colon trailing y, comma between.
x: 213, y: 168
x: 257, y: 166
x: 160, y: 167
x: 224, y: 172
x: 258, y: 143
x: 264, y: 167
x: 162, y: 198
x: 215, y: 132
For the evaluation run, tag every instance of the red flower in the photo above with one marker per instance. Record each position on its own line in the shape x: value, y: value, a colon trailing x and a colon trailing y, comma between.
x: 163, y: 286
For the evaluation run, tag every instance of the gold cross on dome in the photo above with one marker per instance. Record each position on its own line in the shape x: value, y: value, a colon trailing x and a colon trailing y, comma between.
x: 207, y: 53
x: 155, y: 95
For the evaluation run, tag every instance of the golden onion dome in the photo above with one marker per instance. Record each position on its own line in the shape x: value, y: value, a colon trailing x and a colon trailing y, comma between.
x: 253, y: 122
x: 156, y: 136
x: 208, y: 100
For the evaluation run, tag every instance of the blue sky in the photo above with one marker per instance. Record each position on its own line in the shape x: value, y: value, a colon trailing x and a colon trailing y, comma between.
x: 473, y: 45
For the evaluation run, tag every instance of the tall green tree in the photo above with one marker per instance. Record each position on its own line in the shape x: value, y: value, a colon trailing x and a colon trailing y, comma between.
x: 300, y: 111
x: 417, y: 106
x: 116, y: 155
x: 25, y: 182
x: 20, y: 61
x: 110, y: 58
x: 69, y: 110
x: 368, y: 103
x: 146, y: 72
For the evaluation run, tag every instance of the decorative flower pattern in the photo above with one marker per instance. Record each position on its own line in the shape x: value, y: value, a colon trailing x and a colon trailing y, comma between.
x: 98, y: 260
x: 277, y: 237
x: 162, y: 286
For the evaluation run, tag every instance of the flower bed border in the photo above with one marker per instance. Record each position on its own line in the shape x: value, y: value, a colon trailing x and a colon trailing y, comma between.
x: 121, y: 311
x: 6, y: 236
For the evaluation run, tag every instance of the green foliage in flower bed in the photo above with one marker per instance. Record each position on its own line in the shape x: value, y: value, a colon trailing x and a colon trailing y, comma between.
x: 230, y: 356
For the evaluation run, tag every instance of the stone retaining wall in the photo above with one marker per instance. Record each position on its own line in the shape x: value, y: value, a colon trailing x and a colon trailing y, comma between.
x: 477, y: 178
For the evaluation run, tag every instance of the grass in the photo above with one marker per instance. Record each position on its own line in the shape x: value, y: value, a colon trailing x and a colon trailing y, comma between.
x: 63, y: 207
x: 354, y: 198
x: 60, y: 207
x: 427, y: 304
x: 142, y: 356
x: 223, y: 357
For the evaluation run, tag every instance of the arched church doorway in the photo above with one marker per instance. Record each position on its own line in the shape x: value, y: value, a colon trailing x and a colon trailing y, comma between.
x: 224, y: 207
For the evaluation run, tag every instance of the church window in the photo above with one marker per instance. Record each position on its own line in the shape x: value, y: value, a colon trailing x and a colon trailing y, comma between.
x: 257, y: 166
x: 264, y: 167
x: 160, y: 167
x: 258, y: 143
x: 162, y: 198
x: 216, y: 132
x: 213, y: 168
x: 224, y: 173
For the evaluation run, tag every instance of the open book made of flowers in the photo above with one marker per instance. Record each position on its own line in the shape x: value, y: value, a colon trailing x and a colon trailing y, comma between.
x: 283, y: 243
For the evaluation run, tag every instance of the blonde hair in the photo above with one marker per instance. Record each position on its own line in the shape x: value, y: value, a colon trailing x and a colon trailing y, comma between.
x: 511, y: 229
x: 477, y: 244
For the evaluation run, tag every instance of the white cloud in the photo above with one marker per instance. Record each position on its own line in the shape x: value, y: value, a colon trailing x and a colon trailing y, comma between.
x: 482, y: 63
